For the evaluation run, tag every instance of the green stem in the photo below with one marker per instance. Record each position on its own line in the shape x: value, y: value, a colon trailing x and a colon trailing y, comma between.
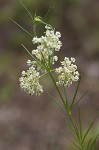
x: 76, y: 132
x: 69, y: 114
x: 75, y: 94
x: 57, y: 88
x: 47, y: 73
x: 34, y: 28
x: 66, y: 99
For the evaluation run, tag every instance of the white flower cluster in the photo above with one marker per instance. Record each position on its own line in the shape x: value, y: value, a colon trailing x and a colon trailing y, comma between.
x: 44, y: 56
x: 67, y: 73
x: 47, y: 45
x: 29, y: 82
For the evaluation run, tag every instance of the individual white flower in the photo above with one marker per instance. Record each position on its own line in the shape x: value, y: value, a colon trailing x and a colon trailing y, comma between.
x: 29, y: 62
x: 67, y: 73
x: 36, y: 40
x: 55, y: 58
x: 23, y: 73
x: 29, y: 82
x: 48, y: 27
x: 58, y: 34
x: 72, y: 59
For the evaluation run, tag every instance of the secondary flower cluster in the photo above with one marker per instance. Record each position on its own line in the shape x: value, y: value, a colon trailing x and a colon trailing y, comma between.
x: 45, y: 58
x: 29, y: 82
x: 67, y: 73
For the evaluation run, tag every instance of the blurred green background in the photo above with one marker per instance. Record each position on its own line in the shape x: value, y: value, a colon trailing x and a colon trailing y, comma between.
x: 31, y: 123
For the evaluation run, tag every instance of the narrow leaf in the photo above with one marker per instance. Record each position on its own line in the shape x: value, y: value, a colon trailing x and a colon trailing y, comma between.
x: 28, y: 51
x: 54, y: 100
x: 32, y: 55
x: 87, y: 148
x: 66, y: 99
x: 71, y: 129
x: 21, y: 27
x: 48, y: 14
x: 80, y: 123
x: 94, y: 142
x: 91, y: 125
x: 26, y: 10
x: 75, y: 94
x: 71, y: 140
x: 82, y: 97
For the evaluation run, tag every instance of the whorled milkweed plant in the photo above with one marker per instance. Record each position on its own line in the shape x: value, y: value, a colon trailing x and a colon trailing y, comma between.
x: 42, y: 63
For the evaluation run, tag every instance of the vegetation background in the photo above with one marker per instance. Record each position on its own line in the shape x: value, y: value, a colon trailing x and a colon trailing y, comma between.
x: 34, y: 123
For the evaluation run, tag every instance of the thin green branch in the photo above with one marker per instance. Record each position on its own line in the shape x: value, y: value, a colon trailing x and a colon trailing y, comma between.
x: 34, y: 26
x: 76, y: 132
x: 26, y: 10
x: 91, y: 125
x: 87, y: 148
x: 21, y: 27
x: 47, y: 73
x: 48, y: 69
x: 44, y: 63
x: 65, y: 92
x: 71, y: 130
x: 82, y: 97
x: 39, y: 63
x: 93, y: 144
x: 75, y: 94
x: 71, y: 140
x: 66, y: 99
x: 80, y: 123
x: 48, y: 14
x: 74, y: 125
x: 54, y: 100
x: 28, y: 52
x: 57, y: 88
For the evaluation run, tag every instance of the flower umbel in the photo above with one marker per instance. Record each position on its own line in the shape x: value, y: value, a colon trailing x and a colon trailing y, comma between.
x: 29, y: 82
x: 44, y: 59
x: 47, y: 45
x: 67, y: 73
